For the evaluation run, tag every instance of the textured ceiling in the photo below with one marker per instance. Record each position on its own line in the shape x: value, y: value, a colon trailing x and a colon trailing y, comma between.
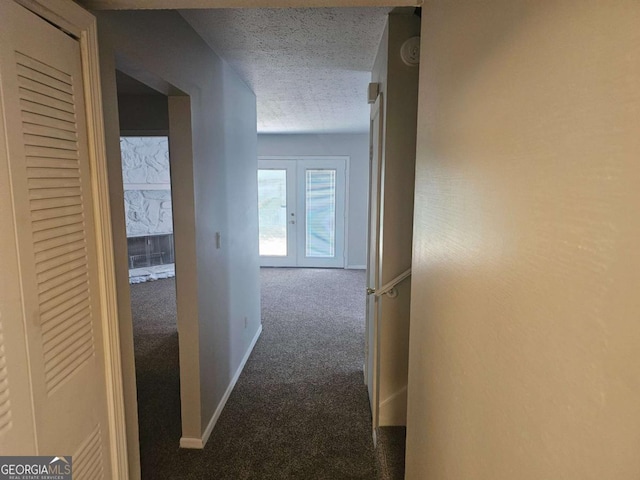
x: 309, y: 68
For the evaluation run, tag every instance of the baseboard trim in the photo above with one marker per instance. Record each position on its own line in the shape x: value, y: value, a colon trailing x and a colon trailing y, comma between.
x: 199, y: 443
x: 191, y: 442
x: 356, y: 267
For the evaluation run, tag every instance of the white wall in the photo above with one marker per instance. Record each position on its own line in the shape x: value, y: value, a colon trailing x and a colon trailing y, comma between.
x: 525, y: 331
x: 223, y: 118
x: 356, y: 146
x: 147, y: 185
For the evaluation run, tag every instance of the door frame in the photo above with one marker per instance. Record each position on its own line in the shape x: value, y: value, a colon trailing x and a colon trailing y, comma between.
x: 81, y: 25
x: 372, y: 340
x: 347, y: 161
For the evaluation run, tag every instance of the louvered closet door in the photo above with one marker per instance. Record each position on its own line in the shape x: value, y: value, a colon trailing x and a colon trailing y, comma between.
x: 43, y: 108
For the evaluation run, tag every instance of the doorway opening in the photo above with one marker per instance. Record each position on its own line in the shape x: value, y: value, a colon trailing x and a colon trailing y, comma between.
x: 147, y: 201
x: 151, y: 258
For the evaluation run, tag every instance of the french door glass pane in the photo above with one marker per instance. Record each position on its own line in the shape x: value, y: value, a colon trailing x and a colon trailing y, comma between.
x: 272, y: 212
x: 320, y: 214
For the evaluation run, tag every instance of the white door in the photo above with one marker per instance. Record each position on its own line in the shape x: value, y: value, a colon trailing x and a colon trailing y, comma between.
x: 47, y: 210
x: 373, y: 259
x: 301, y: 205
x: 277, y: 207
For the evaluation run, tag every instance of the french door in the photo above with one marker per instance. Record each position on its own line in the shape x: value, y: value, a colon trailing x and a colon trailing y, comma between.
x: 301, y: 207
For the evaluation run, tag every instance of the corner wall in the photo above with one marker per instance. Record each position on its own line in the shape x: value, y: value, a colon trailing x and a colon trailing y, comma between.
x: 223, y: 118
x: 524, y: 357
x: 356, y: 146
x: 399, y: 89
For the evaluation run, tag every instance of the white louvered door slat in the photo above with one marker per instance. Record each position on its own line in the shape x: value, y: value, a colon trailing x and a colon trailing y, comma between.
x: 88, y: 458
x: 6, y: 417
x: 48, y: 162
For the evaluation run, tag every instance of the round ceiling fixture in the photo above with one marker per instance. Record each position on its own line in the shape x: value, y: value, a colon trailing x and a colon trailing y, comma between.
x: 410, y: 51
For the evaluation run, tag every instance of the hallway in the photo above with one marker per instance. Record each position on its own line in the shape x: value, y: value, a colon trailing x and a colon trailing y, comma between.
x: 299, y: 409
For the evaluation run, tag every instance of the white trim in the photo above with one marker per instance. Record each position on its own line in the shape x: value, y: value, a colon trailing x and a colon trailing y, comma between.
x: 199, y: 443
x: 304, y: 157
x: 355, y: 267
x: 372, y: 340
x: 347, y: 194
x: 102, y: 212
x: 193, y: 443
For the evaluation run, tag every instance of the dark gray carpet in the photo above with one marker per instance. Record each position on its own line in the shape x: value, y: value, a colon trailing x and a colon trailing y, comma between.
x: 390, y: 452
x: 300, y: 408
x: 153, y: 305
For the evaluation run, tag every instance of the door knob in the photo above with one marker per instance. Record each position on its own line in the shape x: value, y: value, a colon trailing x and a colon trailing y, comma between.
x: 292, y: 222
